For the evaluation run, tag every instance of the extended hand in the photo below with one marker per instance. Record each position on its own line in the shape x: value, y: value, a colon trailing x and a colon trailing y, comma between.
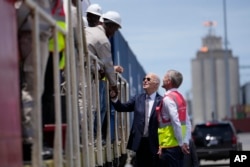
x: 159, y: 151
x: 118, y: 69
x: 113, y: 92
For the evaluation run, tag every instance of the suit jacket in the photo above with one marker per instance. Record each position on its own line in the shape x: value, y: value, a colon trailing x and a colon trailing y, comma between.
x: 137, y: 105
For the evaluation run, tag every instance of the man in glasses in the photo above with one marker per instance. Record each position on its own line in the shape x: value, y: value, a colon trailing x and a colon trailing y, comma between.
x: 143, y: 137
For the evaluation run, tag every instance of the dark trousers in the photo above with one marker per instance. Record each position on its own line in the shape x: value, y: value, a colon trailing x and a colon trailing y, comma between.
x: 48, y: 104
x: 144, y: 156
x: 171, y: 157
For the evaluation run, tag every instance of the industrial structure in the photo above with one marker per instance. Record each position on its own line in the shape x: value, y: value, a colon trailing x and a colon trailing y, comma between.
x: 214, y: 89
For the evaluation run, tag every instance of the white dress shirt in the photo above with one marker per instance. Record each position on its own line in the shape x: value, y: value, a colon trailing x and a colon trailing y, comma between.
x: 171, y: 112
x: 151, y: 103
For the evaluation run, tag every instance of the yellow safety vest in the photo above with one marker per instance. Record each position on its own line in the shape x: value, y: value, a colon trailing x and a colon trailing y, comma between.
x: 166, y: 134
x: 60, y: 38
x: 59, y: 15
x: 60, y: 44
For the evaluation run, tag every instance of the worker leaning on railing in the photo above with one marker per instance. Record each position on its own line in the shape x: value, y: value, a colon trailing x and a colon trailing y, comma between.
x: 98, y: 43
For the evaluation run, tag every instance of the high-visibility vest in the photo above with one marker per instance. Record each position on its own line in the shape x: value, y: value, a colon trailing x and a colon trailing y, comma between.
x: 59, y: 14
x: 166, y: 134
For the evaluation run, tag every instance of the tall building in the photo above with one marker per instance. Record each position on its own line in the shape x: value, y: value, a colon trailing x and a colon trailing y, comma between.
x: 215, y: 80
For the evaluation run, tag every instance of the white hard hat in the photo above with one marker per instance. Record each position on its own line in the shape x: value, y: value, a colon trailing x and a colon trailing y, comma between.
x: 113, y: 16
x: 94, y: 9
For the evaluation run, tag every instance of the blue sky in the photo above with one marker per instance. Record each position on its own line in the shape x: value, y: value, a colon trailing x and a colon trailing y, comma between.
x: 166, y: 34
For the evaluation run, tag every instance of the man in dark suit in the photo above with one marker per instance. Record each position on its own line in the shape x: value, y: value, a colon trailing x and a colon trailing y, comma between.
x: 143, y: 137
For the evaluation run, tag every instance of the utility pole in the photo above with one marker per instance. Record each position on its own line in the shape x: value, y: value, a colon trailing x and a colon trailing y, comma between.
x: 226, y: 60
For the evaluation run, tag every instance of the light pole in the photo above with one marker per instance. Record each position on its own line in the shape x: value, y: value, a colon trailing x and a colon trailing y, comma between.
x: 226, y: 60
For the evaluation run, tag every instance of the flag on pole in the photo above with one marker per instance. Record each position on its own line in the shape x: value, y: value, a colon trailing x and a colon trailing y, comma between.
x: 209, y: 23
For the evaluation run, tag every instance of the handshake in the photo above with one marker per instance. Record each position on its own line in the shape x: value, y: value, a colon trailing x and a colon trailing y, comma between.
x: 113, y: 91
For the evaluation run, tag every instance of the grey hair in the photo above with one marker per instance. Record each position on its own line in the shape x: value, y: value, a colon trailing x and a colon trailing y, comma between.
x: 175, y: 77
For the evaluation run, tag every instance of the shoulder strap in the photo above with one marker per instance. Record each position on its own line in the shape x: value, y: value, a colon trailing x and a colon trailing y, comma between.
x: 181, y: 104
x: 174, y: 95
x: 159, y: 112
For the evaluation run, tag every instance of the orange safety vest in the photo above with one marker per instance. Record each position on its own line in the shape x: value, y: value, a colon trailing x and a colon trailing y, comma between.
x: 165, y: 131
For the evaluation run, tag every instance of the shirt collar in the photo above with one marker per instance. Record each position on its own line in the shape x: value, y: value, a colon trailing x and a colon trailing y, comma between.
x: 171, y: 90
x: 152, y: 96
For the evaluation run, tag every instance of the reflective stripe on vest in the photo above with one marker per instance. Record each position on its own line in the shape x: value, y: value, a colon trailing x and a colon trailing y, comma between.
x: 165, y: 131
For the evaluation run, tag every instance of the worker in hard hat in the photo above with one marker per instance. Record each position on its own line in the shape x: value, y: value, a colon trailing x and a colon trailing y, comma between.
x: 112, y: 22
x: 93, y: 14
x: 107, y: 18
x: 99, y: 45
x: 91, y: 19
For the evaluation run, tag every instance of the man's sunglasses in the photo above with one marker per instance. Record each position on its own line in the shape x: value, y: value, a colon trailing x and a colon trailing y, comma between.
x: 148, y: 79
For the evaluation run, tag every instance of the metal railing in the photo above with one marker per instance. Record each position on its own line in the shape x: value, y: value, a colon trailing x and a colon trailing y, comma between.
x: 82, y: 100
